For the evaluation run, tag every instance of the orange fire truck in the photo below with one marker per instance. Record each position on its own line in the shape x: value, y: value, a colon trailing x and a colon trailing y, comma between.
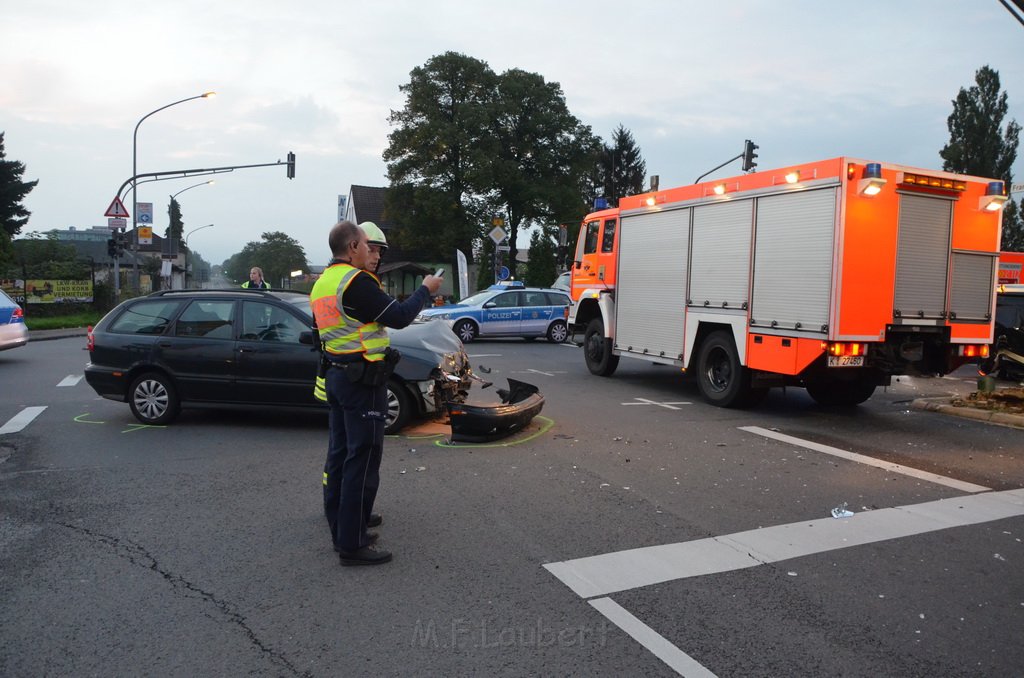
x: 1010, y: 265
x: 831, y: 275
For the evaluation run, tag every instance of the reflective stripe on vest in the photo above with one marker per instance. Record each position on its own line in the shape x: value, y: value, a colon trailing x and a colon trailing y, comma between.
x: 340, y: 333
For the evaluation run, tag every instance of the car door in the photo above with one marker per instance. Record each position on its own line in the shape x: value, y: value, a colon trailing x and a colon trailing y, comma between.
x: 200, y: 350
x: 536, y: 314
x: 502, y: 315
x: 273, y: 367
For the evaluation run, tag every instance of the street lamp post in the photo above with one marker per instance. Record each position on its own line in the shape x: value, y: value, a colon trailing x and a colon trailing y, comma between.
x: 186, y: 249
x: 135, y: 172
x: 175, y: 195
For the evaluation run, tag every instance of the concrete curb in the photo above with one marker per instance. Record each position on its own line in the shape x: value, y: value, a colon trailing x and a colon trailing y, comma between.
x: 44, y: 335
x: 942, y: 406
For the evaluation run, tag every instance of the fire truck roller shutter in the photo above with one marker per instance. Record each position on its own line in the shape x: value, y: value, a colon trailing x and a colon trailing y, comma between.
x: 922, y: 258
x: 650, y: 302
x: 720, y: 258
x: 793, y: 260
x: 971, y: 291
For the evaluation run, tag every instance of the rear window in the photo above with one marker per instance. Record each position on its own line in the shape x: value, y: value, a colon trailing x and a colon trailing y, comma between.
x: 146, y: 317
x: 557, y: 299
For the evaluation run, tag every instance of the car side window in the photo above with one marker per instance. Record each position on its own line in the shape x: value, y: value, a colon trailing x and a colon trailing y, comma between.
x: 592, y: 232
x: 207, y: 319
x: 556, y: 299
x: 266, y: 322
x: 146, y: 317
x: 535, y: 299
x: 507, y: 300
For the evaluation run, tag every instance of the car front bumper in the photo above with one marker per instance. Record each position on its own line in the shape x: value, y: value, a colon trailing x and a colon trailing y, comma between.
x: 482, y: 423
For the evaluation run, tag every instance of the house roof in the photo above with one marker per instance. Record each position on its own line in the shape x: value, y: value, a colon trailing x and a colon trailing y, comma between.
x: 367, y: 204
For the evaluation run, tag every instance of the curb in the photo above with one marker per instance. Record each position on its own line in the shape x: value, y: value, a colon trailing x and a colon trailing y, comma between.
x: 44, y: 335
x: 942, y: 406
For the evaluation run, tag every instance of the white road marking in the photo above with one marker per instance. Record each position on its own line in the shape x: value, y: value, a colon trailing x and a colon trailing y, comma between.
x: 623, y: 570
x: 484, y: 355
x: 70, y: 380
x: 22, y: 419
x: 870, y: 461
x: 678, y: 661
x: 667, y: 406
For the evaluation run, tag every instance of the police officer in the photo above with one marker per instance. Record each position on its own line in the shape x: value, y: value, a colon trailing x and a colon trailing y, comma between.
x: 256, y: 280
x: 352, y: 313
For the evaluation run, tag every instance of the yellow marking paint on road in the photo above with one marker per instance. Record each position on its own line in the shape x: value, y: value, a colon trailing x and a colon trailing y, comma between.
x: 543, y: 429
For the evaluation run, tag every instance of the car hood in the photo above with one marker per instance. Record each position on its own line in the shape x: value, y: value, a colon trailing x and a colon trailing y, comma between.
x: 447, y: 308
x: 427, y: 346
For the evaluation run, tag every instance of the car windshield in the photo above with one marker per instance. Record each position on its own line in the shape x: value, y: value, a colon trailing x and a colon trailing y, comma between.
x: 301, y: 303
x: 477, y: 299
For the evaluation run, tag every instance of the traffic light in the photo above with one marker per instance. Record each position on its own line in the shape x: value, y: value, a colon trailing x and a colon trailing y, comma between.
x: 291, y: 165
x: 111, y: 248
x: 119, y: 243
x: 748, y: 155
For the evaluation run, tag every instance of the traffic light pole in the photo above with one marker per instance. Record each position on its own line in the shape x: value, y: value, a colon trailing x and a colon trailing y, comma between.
x: 748, y: 156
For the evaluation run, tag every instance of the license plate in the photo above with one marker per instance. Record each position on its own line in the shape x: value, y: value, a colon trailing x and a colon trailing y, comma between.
x: 846, y: 361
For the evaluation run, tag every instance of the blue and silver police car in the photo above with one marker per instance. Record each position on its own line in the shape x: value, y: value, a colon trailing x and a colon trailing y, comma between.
x: 13, y: 332
x: 506, y: 311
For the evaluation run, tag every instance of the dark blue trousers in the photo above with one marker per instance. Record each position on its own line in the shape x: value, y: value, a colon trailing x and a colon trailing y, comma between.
x: 352, y: 471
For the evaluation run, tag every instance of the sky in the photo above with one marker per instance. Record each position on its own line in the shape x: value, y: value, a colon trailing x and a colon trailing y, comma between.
x: 805, y: 80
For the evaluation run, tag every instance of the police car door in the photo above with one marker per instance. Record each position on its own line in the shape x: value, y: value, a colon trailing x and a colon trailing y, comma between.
x: 502, y: 314
x: 536, y: 314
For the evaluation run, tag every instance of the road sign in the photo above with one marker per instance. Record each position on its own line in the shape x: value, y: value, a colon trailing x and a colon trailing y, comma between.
x: 497, y: 234
x: 145, y: 235
x: 116, y: 223
x: 1017, y: 188
x: 503, y: 248
x: 116, y: 209
x: 145, y: 210
x: 503, y: 273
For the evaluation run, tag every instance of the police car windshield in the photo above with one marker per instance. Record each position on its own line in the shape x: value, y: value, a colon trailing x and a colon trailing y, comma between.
x: 478, y: 298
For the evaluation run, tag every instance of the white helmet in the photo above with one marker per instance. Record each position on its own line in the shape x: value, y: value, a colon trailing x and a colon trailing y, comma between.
x: 374, y: 235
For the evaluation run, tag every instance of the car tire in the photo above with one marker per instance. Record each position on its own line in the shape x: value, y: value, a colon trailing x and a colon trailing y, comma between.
x: 597, y: 350
x: 153, y: 399
x: 722, y: 380
x: 558, y: 332
x: 400, y: 407
x: 465, y: 330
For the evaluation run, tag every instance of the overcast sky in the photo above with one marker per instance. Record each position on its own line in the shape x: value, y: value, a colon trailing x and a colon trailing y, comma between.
x: 806, y: 80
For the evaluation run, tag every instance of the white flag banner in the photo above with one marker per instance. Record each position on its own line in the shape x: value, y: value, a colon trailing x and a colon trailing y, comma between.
x: 463, y: 275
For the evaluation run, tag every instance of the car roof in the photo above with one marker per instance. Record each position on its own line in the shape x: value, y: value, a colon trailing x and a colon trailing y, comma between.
x: 228, y: 291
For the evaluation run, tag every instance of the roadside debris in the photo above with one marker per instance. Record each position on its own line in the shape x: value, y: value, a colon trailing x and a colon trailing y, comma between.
x: 841, y: 511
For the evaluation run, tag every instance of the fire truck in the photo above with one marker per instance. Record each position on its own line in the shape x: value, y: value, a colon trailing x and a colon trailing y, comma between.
x: 832, y: 275
x: 1010, y: 265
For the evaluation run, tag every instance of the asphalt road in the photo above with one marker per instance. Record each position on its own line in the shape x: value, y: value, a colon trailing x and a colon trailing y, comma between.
x: 634, y: 531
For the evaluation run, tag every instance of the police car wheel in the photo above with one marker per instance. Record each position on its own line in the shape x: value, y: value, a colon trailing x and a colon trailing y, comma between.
x: 466, y: 330
x: 153, y: 399
x: 558, y: 332
x: 399, y: 407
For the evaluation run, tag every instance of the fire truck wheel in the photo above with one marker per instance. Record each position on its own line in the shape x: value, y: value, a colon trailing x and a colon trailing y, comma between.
x: 558, y: 332
x: 597, y: 350
x: 722, y: 380
x: 841, y: 393
x: 466, y: 330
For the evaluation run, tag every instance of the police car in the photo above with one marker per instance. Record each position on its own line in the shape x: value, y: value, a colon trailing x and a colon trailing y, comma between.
x: 13, y: 332
x: 507, y: 310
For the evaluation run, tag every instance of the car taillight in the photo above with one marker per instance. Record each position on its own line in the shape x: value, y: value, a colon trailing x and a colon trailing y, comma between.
x: 90, y: 340
x: 847, y: 348
x: 973, y: 350
x: 18, y: 315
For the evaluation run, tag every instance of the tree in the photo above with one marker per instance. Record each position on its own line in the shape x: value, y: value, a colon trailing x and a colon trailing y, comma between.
x: 441, y: 147
x: 542, y: 268
x: 980, y: 145
x: 621, y: 170
x: 544, y: 155
x: 44, y: 256
x: 278, y: 254
x: 13, y: 215
x: 175, y: 225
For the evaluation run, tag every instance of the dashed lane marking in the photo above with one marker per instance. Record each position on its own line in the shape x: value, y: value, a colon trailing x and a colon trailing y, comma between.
x: 667, y: 405
x: 870, y: 461
x: 22, y: 419
x: 70, y: 380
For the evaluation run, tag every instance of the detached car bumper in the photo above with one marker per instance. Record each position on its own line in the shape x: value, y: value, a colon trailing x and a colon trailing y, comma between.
x: 482, y: 423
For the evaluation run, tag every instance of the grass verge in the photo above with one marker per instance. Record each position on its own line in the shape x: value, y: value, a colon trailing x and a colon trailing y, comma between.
x: 58, y: 322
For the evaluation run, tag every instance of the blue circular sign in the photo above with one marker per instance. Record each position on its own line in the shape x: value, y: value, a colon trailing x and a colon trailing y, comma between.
x: 503, y: 273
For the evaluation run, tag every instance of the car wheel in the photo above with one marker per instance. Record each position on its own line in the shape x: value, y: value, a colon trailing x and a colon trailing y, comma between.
x: 399, y: 407
x: 597, y: 350
x: 465, y: 330
x: 558, y: 332
x: 153, y: 399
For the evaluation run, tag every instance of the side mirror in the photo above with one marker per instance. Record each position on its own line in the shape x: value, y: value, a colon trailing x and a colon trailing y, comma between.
x: 490, y: 304
x: 577, y: 263
x: 306, y: 337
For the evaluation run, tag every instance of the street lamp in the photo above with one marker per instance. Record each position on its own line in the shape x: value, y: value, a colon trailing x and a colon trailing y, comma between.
x: 135, y: 172
x: 192, y: 186
x: 186, y: 249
